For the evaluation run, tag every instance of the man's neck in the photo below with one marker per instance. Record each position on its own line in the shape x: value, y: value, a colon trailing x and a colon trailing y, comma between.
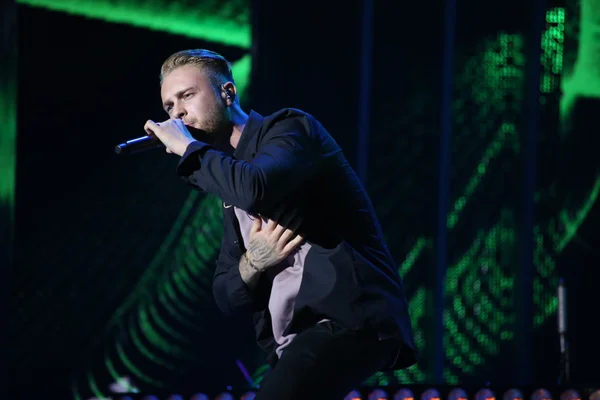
x: 239, y: 119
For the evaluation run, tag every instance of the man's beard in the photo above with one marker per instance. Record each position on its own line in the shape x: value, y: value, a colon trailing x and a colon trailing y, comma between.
x: 215, y: 129
x: 215, y: 121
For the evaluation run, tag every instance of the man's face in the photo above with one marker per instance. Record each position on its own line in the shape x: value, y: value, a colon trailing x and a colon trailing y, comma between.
x: 188, y: 94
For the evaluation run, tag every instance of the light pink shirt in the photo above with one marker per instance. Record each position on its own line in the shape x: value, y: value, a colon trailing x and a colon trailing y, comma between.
x: 286, y: 278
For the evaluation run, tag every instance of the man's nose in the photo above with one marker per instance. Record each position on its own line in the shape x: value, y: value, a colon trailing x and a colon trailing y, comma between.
x: 179, y: 113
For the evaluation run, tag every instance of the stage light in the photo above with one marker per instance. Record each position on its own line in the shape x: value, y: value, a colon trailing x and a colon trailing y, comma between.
x: 485, y: 394
x: 353, y: 395
x: 595, y: 395
x: 248, y: 396
x: 541, y: 394
x: 225, y: 396
x: 430, y: 394
x: 200, y: 396
x: 175, y: 397
x: 570, y: 394
x: 513, y: 394
x: 378, y: 394
x: 123, y: 384
x: 404, y: 394
x: 457, y: 394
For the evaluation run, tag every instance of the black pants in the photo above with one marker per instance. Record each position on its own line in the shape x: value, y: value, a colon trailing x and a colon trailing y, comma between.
x: 326, y: 362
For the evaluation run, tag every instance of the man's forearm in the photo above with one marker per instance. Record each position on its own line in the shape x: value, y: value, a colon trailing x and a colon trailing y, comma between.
x: 249, y: 275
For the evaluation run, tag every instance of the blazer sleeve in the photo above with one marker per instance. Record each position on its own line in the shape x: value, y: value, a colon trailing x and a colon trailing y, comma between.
x: 229, y: 290
x: 287, y: 156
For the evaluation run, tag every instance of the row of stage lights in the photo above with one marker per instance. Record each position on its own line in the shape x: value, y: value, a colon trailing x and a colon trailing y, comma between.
x: 461, y: 394
x: 402, y: 394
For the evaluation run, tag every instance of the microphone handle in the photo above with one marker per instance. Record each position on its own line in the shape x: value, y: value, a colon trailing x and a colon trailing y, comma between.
x: 139, y: 145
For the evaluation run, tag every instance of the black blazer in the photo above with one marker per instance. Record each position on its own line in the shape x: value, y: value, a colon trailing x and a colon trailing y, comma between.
x: 287, y: 165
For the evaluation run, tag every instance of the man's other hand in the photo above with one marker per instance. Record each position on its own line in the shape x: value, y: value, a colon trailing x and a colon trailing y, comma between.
x: 270, y: 245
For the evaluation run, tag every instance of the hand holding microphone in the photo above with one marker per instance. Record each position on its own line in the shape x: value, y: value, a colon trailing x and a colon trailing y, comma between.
x: 171, y: 134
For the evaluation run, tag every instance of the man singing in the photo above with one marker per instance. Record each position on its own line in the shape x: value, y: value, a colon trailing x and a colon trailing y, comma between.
x: 302, y: 248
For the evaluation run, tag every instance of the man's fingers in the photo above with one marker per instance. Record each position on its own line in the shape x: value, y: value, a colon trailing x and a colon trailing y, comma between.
x: 283, y: 233
x: 256, y: 225
x: 278, y: 231
x: 286, y: 235
x: 293, y: 244
x: 271, y: 224
x: 150, y: 127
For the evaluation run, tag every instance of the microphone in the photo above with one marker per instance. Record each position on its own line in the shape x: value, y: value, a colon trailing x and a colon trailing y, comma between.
x: 139, y: 145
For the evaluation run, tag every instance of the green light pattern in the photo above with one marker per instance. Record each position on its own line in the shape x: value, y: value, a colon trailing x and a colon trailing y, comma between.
x: 225, y: 22
x: 413, y: 255
x: 506, y: 136
x: 155, y: 315
x: 111, y: 369
x: 545, y: 280
x: 584, y: 79
x: 188, y: 252
x: 496, y: 77
x: 467, y: 344
x: 8, y: 137
x: 94, y: 386
x: 572, y: 225
x: 241, y: 71
x: 416, y: 308
x: 133, y: 369
x: 158, y: 341
x: 162, y: 299
x: 155, y: 267
x: 144, y: 350
x: 553, y: 40
x: 469, y: 340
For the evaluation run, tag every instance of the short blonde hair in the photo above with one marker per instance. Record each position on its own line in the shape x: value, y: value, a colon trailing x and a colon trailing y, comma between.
x: 218, y: 68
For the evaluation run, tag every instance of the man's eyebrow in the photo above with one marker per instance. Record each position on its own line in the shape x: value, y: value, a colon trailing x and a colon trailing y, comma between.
x: 177, y: 95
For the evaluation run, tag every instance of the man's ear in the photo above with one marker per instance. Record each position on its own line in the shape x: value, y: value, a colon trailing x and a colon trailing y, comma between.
x: 229, y: 91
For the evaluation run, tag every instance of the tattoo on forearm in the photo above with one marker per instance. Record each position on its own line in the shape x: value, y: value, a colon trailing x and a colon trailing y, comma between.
x: 249, y: 275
